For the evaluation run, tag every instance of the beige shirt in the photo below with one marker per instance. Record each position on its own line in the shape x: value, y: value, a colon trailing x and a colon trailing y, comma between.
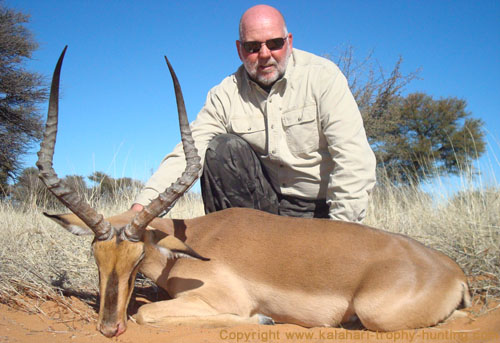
x: 307, y: 131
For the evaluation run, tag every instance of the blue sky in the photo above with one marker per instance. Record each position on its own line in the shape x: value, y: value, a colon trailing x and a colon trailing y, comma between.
x: 117, y: 108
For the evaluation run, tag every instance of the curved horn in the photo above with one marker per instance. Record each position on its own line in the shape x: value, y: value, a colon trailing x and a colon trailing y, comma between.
x: 58, y: 187
x: 189, y: 176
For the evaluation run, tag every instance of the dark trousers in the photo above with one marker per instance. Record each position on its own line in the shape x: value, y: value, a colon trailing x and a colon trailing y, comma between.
x: 233, y: 176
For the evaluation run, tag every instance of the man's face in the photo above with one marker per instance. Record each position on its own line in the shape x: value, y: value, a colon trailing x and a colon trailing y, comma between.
x: 265, y: 66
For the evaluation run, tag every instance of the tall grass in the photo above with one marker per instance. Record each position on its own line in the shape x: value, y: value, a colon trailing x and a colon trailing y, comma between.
x: 464, y: 225
x: 40, y: 260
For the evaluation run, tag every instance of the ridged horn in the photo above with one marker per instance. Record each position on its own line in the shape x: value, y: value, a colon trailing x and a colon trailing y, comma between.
x: 58, y: 187
x: 178, y: 188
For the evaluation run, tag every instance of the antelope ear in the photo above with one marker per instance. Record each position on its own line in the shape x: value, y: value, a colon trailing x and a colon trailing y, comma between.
x: 173, y: 247
x: 71, y: 223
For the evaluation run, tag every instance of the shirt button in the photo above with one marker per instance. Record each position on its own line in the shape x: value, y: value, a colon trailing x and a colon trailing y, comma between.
x: 272, y: 126
x: 273, y: 152
x: 249, y: 129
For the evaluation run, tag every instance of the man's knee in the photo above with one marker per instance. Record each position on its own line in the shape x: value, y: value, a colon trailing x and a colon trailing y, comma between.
x: 233, y: 176
x: 225, y: 141
x: 226, y: 146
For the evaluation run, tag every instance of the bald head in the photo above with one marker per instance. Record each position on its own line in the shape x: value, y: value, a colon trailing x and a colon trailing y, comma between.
x: 263, y: 27
x: 261, y: 17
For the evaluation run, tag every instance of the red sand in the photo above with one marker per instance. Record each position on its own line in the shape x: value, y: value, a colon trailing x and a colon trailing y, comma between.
x: 17, y: 326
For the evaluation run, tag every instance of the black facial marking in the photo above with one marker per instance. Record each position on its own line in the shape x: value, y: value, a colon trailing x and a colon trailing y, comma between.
x: 111, y: 298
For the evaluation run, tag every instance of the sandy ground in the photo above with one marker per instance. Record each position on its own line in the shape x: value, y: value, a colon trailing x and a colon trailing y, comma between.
x: 58, y: 324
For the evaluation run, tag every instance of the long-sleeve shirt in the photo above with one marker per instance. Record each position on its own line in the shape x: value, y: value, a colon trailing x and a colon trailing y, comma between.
x: 307, y: 131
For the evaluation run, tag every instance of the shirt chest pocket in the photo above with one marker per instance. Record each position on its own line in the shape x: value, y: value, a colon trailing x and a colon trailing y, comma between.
x: 301, y: 129
x: 252, y: 130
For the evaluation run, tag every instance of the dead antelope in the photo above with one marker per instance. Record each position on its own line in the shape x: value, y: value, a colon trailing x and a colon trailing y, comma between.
x: 247, y: 266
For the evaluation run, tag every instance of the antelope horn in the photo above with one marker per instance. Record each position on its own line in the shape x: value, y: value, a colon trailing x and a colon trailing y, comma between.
x: 58, y: 187
x: 189, y: 176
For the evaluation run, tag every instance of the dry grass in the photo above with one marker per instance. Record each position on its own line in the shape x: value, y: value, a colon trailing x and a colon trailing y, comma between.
x: 465, y: 226
x: 39, y: 260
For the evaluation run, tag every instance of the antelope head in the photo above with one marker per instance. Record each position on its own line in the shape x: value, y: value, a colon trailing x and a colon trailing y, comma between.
x: 118, y: 249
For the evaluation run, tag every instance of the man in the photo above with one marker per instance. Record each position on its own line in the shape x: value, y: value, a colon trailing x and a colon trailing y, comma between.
x: 283, y: 134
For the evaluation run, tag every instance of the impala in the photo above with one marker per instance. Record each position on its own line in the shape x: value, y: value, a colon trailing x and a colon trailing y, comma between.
x: 243, y: 266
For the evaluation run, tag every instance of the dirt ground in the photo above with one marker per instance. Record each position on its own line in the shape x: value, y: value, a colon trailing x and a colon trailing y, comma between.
x: 57, y: 324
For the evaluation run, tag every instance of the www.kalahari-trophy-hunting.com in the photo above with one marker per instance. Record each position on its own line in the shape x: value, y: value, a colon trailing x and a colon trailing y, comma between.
x: 273, y: 335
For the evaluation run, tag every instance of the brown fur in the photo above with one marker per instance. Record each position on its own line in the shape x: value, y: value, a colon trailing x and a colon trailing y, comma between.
x: 310, y: 272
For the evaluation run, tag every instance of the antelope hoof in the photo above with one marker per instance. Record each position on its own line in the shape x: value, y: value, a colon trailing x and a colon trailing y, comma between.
x: 265, y: 320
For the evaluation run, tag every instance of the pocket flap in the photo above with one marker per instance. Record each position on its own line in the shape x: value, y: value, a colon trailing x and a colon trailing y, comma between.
x: 299, y: 116
x: 248, y: 124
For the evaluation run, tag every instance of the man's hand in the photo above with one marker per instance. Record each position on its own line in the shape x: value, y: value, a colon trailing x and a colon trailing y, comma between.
x: 137, y: 207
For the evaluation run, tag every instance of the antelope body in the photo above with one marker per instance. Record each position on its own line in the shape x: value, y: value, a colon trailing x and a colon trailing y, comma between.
x: 247, y: 266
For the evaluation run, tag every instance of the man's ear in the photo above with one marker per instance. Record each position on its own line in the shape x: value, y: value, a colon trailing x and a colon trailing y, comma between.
x: 173, y: 247
x: 238, y: 48
x: 71, y: 223
x: 290, y: 41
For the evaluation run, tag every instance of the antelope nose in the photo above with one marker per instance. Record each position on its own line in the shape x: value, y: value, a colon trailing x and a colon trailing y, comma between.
x: 120, y: 329
x: 112, y: 330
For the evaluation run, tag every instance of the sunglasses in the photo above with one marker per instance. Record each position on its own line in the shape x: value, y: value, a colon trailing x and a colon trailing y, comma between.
x: 272, y: 44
